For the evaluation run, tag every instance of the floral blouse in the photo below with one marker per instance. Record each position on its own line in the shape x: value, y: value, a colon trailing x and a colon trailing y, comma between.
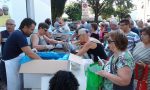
x: 125, y: 59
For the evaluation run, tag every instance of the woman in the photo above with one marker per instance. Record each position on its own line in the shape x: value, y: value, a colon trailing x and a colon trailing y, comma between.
x: 141, y: 52
x: 91, y: 46
x: 94, y: 32
x: 40, y: 41
x: 103, y: 30
x: 118, y: 70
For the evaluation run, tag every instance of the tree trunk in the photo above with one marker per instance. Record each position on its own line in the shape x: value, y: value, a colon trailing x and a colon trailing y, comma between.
x: 96, y: 12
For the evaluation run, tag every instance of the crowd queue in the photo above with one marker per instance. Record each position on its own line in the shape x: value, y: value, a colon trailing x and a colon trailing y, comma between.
x: 122, y: 45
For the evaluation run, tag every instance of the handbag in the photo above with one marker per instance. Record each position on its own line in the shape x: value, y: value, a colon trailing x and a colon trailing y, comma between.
x: 142, y: 81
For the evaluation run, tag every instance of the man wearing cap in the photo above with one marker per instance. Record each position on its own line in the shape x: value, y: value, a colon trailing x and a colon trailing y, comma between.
x: 91, y: 46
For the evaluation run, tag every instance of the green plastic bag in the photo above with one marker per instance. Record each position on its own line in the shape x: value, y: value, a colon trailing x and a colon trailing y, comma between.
x: 94, y: 81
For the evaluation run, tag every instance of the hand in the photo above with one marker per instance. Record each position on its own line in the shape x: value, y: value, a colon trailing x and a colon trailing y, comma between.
x: 49, y: 47
x: 102, y: 73
x: 140, y: 63
x: 34, y: 50
x: 60, y: 42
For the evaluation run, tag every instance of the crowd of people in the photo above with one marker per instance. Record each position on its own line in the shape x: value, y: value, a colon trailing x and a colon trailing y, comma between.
x: 121, y: 44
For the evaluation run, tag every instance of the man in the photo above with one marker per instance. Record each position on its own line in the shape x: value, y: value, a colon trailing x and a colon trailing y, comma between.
x: 14, y: 46
x: 134, y: 29
x: 133, y: 38
x: 114, y: 25
x: 10, y: 26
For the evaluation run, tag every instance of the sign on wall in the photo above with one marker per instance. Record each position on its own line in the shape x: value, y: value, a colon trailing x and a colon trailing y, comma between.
x: 85, y: 11
x: 4, y: 11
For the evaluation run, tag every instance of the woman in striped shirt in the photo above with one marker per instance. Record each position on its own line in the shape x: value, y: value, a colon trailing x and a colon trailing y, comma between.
x: 142, y: 52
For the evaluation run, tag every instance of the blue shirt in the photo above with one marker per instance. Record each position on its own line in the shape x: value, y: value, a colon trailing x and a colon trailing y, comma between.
x: 13, y: 45
x: 4, y: 36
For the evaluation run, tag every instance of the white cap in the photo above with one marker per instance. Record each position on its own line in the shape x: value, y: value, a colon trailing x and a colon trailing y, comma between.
x: 82, y: 31
x: 114, y: 21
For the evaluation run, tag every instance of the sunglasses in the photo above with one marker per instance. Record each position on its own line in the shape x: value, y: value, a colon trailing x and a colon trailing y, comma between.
x: 110, y: 41
x: 45, y: 29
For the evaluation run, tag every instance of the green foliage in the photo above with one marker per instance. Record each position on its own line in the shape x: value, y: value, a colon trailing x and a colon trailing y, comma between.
x: 106, y: 8
x: 107, y: 12
x: 74, y: 11
x: 123, y: 8
x: 57, y: 7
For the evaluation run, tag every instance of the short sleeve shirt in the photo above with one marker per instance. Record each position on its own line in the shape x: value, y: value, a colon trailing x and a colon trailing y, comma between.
x: 124, y: 59
x: 13, y: 45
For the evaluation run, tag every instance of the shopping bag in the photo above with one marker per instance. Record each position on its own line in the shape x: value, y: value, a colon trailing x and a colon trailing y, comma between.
x: 94, y: 81
x: 142, y: 81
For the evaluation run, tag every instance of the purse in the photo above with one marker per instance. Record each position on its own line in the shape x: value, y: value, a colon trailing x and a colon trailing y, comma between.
x: 142, y: 81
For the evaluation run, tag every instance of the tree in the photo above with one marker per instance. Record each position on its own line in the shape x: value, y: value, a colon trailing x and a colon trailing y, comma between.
x: 57, y: 7
x: 123, y: 8
x: 74, y: 11
x: 107, y: 7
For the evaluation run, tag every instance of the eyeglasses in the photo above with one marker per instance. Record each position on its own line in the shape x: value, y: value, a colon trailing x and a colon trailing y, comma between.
x: 45, y: 29
x: 110, y: 41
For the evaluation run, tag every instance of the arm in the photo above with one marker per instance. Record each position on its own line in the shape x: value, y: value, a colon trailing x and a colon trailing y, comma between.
x: 122, y: 78
x: 51, y: 40
x: 35, y: 41
x: 27, y: 50
x: 86, y: 47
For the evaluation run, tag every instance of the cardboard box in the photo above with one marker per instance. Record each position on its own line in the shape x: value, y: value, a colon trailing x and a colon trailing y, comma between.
x: 34, y: 70
x: 49, y: 66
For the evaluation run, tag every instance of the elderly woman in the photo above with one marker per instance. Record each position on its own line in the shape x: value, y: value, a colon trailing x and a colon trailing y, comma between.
x: 118, y: 70
x: 91, y: 46
x: 141, y: 52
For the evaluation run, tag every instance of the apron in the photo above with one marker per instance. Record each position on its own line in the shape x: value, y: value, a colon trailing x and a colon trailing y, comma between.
x: 14, y: 79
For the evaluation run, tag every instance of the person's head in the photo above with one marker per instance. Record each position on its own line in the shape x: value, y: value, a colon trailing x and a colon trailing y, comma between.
x: 1, y: 12
x: 117, y: 41
x: 63, y: 80
x: 10, y: 25
x: 113, y: 24
x: 57, y: 19
x: 140, y: 24
x: 124, y: 25
x: 83, y: 35
x: 27, y: 26
x: 48, y: 21
x: 5, y: 10
x: 94, y: 27
x: 61, y: 22
x: 131, y: 23
x: 103, y: 27
x: 83, y: 21
x: 43, y: 28
x: 145, y: 35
